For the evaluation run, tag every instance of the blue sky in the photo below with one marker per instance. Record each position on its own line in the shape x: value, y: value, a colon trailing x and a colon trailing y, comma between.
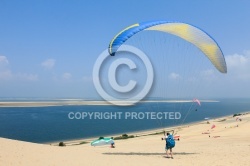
x: 48, y: 48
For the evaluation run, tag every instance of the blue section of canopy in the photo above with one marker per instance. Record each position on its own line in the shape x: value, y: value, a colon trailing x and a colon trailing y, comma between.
x: 121, y: 38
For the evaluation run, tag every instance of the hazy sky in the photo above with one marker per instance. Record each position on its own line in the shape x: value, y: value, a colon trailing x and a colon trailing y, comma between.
x: 48, y: 48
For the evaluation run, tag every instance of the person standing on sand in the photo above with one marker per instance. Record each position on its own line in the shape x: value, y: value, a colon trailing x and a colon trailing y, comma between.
x: 170, y: 143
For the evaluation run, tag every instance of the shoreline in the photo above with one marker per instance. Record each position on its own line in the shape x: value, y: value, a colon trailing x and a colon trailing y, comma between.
x: 142, y: 133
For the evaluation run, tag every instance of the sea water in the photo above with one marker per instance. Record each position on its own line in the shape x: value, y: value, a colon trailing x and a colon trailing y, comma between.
x: 52, y: 123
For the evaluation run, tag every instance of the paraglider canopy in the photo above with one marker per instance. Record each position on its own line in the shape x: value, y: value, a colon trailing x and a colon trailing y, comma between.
x: 190, y: 33
x: 197, y: 101
x: 103, y: 141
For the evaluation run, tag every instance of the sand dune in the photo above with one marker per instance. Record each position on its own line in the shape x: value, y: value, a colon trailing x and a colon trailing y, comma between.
x: 227, y: 145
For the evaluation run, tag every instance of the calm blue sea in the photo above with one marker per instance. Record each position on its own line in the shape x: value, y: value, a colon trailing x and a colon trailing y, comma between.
x: 50, y: 124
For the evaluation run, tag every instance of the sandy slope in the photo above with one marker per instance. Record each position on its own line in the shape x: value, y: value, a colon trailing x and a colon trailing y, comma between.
x: 194, y: 148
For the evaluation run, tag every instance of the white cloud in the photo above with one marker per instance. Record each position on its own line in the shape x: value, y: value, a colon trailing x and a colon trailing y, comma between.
x: 237, y: 61
x: 174, y: 76
x: 66, y: 76
x: 208, y: 72
x: 86, y: 78
x: 5, y: 75
x: 48, y: 64
x: 8, y: 75
x: 246, y: 52
x: 239, y: 65
x: 3, y: 60
x: 26, y: 76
